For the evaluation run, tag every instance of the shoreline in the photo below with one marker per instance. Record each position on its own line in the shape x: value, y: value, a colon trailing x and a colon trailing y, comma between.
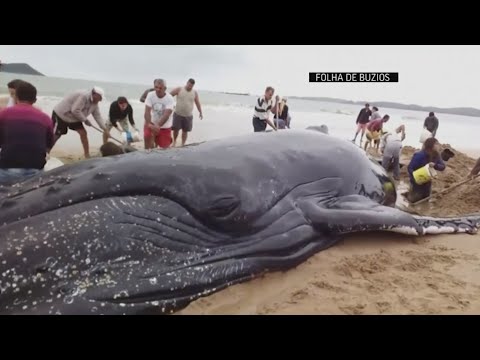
x: 458, y: 110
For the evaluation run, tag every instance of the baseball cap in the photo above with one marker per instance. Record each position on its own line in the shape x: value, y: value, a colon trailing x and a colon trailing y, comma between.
x: 98, y: 90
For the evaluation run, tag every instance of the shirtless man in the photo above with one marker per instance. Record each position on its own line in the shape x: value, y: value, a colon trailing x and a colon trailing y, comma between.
x: 183, y: 115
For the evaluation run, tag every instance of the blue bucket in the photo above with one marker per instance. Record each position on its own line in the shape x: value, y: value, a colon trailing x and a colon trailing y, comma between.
x: 128, y: 138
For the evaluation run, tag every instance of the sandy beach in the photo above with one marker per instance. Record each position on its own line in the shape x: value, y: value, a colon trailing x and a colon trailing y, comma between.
x: 366, y: 274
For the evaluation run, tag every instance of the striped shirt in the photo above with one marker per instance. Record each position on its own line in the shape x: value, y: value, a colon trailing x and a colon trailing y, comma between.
x: 262, y: 108
x: 26, y: 134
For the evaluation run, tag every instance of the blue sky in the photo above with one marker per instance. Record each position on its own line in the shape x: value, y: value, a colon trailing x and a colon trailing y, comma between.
x: 445, y: 76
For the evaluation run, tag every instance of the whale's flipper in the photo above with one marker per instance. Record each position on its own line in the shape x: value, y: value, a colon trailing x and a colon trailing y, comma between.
x: 136, y: 255
x: 355, y: 213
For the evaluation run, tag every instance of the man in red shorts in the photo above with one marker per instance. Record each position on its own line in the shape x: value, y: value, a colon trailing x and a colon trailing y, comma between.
x: 159, y: 107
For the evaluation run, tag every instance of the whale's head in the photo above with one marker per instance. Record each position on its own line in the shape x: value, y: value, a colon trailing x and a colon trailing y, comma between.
x: 150, y: 232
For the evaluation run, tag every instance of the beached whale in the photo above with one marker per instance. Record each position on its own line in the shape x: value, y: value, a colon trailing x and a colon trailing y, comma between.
x: 150, y: 232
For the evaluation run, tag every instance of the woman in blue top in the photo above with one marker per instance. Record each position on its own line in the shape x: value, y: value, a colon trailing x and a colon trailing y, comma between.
x: 430, y: 154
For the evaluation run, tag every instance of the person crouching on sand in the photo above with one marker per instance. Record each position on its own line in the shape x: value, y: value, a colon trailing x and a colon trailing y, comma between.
x: 391, y: 147
x: 281, y: 119
x: 72, y: 112
x: 430, y: 154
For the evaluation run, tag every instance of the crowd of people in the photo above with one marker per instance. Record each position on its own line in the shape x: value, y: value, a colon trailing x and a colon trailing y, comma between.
x: 389, y: 143
x: 27, y: 134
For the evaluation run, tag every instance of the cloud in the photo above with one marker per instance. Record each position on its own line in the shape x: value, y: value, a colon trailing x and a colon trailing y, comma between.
x: 428, y: 75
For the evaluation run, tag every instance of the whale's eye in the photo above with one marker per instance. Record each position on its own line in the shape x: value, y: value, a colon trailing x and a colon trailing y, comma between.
x: 223, y: 206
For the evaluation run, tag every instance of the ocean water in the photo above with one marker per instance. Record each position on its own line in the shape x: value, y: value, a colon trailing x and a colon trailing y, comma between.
x: 230, y: 114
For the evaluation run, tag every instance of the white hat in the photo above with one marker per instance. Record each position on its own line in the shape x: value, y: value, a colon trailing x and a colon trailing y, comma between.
x: 99, y: 91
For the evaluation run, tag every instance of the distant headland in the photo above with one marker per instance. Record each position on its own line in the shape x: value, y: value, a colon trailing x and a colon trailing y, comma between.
x: 19, y: 68
x: 236, y: 93
x: 465, y: 111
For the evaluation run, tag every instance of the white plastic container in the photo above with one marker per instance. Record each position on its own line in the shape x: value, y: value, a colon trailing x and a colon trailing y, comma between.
x: 425, y: 135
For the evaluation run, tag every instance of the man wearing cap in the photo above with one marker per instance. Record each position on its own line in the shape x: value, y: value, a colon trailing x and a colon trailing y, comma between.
x: 72, y: 112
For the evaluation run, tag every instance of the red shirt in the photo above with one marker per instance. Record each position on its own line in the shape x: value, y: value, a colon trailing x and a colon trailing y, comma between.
x: 26, y: 134
x: 375, y: 125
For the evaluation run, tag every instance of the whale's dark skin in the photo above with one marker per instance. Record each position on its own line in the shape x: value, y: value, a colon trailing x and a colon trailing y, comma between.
x: 150, y: 232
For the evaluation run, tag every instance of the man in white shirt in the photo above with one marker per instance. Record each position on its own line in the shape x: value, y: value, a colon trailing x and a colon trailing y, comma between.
x: 375, y: 114
x: 159, y: 107
x: 263, y: 107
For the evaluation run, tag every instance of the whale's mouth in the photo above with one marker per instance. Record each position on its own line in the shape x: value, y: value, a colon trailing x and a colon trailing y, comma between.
x: 136, y: 254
